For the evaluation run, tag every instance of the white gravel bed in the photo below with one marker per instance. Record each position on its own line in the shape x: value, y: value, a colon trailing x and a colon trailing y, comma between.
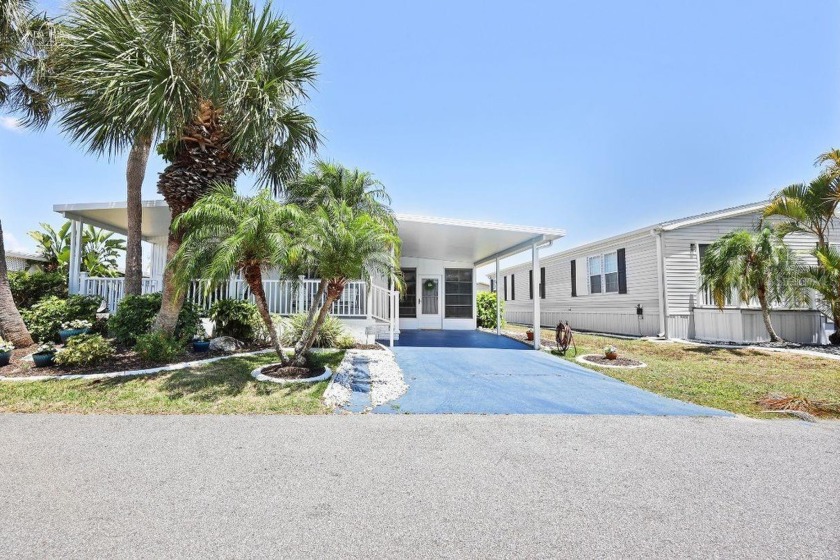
x: 386, y: 378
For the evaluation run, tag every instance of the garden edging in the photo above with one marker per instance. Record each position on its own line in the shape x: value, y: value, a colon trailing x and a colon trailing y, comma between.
x: 133, y: 373
x: 259, y: 376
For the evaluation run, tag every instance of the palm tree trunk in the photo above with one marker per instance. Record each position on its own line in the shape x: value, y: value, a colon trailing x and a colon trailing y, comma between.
x: 172, y: 298
x: 253, y: 277
x: 765, y: 314
x: 334, y: 291
x: 12, y: 327
x: 309, y: 326
x: 135, y: 172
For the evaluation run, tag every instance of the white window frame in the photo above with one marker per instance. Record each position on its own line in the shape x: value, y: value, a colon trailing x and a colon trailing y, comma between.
x: 603, y: 273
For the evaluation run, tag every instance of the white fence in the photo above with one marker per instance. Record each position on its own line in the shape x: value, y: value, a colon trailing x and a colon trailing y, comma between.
x: 284, y: 297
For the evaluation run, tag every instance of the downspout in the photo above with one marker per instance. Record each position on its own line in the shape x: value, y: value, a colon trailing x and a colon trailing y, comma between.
x: 660, y: 278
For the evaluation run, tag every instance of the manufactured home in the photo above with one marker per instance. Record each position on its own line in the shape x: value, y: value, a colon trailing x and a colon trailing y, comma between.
x: 20, y: 260
x: 647, y: 283
x: 439, y: 258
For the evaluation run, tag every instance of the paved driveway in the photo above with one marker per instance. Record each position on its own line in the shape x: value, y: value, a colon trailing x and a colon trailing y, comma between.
x: 484, y: 374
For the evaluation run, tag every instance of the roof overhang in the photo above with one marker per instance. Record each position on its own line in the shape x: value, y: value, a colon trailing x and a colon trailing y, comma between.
x: 422, y: 236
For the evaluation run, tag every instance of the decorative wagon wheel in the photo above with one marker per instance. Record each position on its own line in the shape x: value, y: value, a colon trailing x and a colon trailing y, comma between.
x: 564, y: 338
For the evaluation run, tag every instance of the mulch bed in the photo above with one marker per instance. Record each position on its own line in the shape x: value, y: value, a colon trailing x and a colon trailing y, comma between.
x: 122, y: 360
x: 604, y: 361
x: 293, y: 372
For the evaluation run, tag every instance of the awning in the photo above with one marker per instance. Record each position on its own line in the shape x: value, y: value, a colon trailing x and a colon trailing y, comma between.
x: 422, y: 236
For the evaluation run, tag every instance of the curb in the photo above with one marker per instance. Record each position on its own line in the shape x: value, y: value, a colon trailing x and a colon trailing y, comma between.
x: 132, y: 373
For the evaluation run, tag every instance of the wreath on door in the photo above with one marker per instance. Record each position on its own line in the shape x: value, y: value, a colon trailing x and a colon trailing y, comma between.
x: 429, y: 285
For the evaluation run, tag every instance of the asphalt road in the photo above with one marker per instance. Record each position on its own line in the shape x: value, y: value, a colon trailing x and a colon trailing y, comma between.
x: 417, y: 487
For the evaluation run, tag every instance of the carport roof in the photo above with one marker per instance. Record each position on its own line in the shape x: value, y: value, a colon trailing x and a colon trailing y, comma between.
x: 422, y: 236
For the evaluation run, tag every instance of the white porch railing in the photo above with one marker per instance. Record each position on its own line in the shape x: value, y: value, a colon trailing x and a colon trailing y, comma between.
x: 284, y: 297
x: 380, y: 303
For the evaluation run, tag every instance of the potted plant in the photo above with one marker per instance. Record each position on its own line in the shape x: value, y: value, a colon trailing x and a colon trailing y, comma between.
x: 6, y: 348
x: 45, y: 355
x: 529, y: 334
x: 73, y: 328
x: 201, y: 344
x: 610, y: 352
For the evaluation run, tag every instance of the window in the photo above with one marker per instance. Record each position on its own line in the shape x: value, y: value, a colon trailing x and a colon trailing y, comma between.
x: 458, y: 293
x: 607, y: 273
x: 408, y: 302
x: 512, y: 287
x: 594, y: 275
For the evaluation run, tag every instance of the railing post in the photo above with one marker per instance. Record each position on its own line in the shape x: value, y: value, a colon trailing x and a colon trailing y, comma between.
x: 83, y: 276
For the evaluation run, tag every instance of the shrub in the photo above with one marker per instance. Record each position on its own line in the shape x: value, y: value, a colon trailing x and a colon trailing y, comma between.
x: 486, y: 309
x: 28, y: 288
x: 331, y: 335
x: 159, y: 347
x: 44, y: 319
x: 237, y: 318
x: 135, y: 315
x: 84, y: 350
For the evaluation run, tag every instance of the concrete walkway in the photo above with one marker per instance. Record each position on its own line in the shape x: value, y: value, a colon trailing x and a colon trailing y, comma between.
x: 497, y: 378
x: 417, y: 487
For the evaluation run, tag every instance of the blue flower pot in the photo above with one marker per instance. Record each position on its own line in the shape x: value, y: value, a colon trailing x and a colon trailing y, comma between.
x: 43, y: 359
x: 67, y: 333
x: 201, y: 346
x: 4, y: 358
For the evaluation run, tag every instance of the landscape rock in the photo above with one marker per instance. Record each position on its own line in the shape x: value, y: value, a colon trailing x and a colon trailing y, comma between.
x: 225, y: 344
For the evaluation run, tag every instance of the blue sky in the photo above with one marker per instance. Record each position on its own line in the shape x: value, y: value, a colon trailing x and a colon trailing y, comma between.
x: 597, y: 117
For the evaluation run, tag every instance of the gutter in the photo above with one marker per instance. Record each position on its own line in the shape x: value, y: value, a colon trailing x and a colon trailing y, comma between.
x: 660, y: 278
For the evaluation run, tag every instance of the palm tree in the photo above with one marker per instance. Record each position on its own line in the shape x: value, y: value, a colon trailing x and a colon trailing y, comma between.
x: 343, y: 243
x: 12, y: 327
x: 754, y: 264
x: 225, y: 233
x: 825, y: 280
x: 25, y: 36
x: 218, y: 83
x: 808, y: 208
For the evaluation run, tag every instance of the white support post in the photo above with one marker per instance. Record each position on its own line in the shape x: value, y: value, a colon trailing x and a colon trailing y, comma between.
x: 535, y: 287
x: 301, y: 299
x: 392, y: 315
x: 75, y: 265
x: 498, y: 302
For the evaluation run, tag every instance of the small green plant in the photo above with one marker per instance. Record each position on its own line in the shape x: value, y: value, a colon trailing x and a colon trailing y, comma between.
x: 44, y: 319
x: 84, y: 350
x: 236, y: 318
x: 331, y: 335
x: 135, y: 315
x: 6, y: 346
x: 486, y: 310
x: 159, y: 347
x: 76, y: 324
x: 610, y: 349
x: 45, y: 348
x: 28, y: 288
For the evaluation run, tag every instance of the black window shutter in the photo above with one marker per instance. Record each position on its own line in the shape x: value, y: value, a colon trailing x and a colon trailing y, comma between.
x: 574, y: 279
x: 530, y: 284
x: 542, y: 282
x: 512, y: 287
x: 504, y: 279
x: 622, y: 272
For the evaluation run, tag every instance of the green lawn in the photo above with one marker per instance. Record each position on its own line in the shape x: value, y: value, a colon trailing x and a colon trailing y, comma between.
x: 223, y: 387
x: 729, y: 379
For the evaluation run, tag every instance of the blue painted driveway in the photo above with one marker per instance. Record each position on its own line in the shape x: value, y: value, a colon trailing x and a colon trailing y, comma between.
x: 518, y: 381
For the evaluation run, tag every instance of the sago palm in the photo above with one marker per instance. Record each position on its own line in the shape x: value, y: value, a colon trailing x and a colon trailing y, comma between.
x: 225, y: 233
x: 754, y: 264
x: 219, y: 83
x: 343, y: 244
x: 825, y: 280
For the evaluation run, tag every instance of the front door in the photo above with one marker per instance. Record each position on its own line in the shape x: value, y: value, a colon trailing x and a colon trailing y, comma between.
x: 429, y: 302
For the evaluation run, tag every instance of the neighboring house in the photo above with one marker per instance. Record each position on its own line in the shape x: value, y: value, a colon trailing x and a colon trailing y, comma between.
x: 439, y: 259
x: 646, y: 282
x: 19, y: 260
x: 482, y: 287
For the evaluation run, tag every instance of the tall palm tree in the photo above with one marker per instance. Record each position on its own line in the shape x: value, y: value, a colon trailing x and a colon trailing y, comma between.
x: 755, y: 264
x: 825, y: 280
x: 12, y: 327
x: 227, y: 232
x: 25, y: 37
x: 219, y: 83
x: 343, y: 243
x: 807, y: 208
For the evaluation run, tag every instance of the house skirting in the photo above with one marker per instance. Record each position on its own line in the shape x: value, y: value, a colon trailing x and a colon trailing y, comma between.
x: 747, y: 325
